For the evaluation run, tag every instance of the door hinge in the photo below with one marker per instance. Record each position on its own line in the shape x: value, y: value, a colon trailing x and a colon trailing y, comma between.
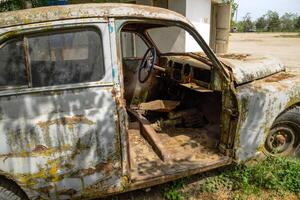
x: 231, y: 112
x: 226, y: 151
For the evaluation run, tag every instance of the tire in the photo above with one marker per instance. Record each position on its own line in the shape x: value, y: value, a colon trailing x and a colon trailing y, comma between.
x: 11, y: 191
x: 284, y: 136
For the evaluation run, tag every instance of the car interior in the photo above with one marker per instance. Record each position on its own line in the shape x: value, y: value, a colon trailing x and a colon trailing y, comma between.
x: 174, y: 116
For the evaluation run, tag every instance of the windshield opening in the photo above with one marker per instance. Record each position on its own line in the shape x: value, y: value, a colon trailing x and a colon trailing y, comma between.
x: 173, y: 39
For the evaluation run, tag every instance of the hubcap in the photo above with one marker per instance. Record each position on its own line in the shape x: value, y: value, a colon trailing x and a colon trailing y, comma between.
x: 281, y: 140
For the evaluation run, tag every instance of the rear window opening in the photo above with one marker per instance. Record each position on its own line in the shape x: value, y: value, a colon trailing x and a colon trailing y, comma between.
x: 52, y: 58
x: 66, y: 58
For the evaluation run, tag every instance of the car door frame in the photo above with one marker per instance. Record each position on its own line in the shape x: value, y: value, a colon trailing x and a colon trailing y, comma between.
x: 221, y: 80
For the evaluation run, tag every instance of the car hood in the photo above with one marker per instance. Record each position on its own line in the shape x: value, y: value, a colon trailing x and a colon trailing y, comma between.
x: 248, y: 67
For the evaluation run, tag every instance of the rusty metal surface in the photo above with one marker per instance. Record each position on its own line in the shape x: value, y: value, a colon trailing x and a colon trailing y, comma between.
x: 185, y: 59
x: 260, y: 102
x: 60, y: 144
x: 159, y: 105
x: 188, y: 148
x: 63, y: 142
x: 246, y: 67
x: 52, y: 13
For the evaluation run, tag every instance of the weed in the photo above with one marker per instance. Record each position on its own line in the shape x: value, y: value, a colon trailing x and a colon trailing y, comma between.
x: 173, y: 191
x: 276, y: 174
x: 214, y: 184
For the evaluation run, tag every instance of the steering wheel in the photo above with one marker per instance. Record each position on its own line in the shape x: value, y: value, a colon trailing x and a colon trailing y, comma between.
x: 147, y: 64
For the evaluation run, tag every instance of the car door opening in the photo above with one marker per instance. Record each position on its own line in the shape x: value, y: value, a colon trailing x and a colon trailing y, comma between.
x: 174, y: 117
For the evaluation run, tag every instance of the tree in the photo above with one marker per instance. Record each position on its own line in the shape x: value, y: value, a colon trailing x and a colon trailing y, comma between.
x: 288, y: 21
x: 8, y: 5
x: 38, y: 3
x: 273, y: 20
x: 246, y: 24
x: 234, y: 7
x: 297, y: 23
x: 261, y: 23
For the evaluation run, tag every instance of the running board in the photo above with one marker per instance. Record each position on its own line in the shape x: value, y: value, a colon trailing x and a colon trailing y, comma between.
x: 169, y: 175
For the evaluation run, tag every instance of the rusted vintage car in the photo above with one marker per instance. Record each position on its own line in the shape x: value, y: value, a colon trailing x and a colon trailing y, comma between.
x: 98, y: 99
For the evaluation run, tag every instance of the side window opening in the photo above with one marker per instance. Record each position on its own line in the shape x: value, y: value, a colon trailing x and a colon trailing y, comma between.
x: 12, y: 64
x: 66, y: 58
x: 132, y: 45
x: 55, y: 58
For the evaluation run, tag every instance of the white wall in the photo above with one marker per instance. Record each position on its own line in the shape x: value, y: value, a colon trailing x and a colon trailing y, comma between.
x: 171, y: 39
x: 199, y: 13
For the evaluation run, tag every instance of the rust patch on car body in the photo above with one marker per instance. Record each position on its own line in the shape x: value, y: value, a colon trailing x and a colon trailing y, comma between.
x: 52, y: 13
x: 279, y: 77
x: 104, y: 168
x: 38, y: 151
x: 246, y: 68
x: 235, y: 56
x: 39, y: 148
x: 66, y: 121
x: 260, y: 103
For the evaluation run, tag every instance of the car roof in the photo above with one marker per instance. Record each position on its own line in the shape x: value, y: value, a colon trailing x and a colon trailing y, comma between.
x: 118, y: 10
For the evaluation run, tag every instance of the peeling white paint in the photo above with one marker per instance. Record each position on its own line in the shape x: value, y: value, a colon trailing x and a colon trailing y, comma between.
x: 260, y: 103
x: 252, y: 67
x: 52, y: 13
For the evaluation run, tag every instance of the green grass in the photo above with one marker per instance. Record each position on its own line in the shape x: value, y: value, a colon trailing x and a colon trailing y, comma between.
x: 276, y: 176
x: 174, y: 190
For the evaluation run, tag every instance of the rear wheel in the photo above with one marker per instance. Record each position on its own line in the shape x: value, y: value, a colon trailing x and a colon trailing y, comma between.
x: 10, y: 191
x: 283, y: 139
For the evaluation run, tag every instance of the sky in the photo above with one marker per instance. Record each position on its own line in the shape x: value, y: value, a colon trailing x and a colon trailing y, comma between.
x: 259, y: 7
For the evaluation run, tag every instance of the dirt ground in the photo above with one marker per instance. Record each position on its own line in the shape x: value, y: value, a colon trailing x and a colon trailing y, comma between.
x: 285, y: 46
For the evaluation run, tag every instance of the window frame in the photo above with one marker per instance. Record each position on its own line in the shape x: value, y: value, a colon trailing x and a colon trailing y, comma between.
x: 60, y: 31
x: 100, y: 26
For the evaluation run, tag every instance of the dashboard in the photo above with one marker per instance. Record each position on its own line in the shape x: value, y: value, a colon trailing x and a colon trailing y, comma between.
x: 187, y: 71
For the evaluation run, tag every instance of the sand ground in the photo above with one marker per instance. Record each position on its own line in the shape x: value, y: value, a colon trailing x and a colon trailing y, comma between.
x: 285, y: 46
